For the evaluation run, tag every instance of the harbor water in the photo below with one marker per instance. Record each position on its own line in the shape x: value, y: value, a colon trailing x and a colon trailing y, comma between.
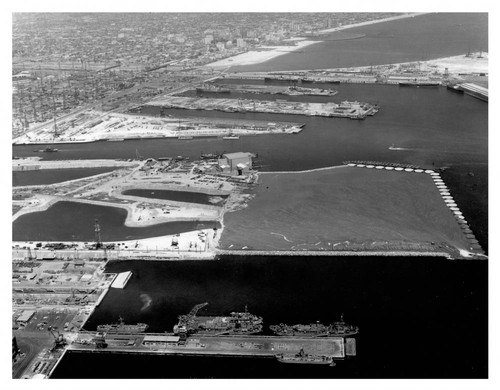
x: 73, y: 221
x: 422, y: 317
x: 418, y: 317
x: 419, y: 38
x: 178, y: 196
x: 432, y: 127
x: 51, y: 176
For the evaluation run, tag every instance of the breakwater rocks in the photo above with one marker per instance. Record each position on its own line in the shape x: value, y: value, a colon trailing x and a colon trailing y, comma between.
x: 475, y: 249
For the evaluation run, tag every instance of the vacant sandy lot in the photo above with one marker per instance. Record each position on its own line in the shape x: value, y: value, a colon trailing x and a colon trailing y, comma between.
x: 343, y: 208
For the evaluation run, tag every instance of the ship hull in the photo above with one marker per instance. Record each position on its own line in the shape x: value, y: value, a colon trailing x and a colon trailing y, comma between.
x: 418, y: 84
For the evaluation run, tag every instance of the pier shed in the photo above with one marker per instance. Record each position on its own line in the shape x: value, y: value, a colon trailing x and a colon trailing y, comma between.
x: 161, y: 340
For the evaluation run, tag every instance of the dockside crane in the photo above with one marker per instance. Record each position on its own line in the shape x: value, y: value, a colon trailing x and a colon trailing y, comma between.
x: 59, y: 340
x: 185, y: 320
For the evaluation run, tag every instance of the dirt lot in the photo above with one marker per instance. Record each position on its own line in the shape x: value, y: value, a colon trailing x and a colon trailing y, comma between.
x: 341, y: 208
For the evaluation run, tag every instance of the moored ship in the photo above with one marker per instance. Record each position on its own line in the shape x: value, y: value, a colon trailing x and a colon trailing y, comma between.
x: 304, y: 358
x: 419, y: 84
x: 121, y: 327
x: 237, y: 323
x: 335, y: 329
x: 212, y: 88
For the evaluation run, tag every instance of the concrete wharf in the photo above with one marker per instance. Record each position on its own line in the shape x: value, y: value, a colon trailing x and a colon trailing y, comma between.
x: 347, y: 109
x: 278, y: 90
x: 248, y: 345
x: 324, y: 253
x: 474, y: 90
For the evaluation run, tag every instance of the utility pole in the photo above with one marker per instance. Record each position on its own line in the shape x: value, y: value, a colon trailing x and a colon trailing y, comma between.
x: 97, y: 230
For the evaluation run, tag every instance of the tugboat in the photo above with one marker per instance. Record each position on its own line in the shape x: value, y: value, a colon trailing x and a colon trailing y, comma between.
x: 335, y: 329
x: 231, y: 136
x: 392, y: 147
x: 304, y: 358
x: 121, y: 327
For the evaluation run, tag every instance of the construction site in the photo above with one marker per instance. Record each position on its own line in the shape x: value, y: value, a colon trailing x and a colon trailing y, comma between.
x: 153, y: 192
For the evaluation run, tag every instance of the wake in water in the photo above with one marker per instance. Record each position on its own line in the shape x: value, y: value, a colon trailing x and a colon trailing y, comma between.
x: 146, y: 301
x: 286, y: 239
x: 392, y: 147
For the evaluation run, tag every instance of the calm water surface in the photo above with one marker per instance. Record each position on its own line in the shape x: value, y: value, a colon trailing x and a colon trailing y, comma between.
x: 50, y: 176
x: 72, y: 221
x: 435, y: 128
x: 419, y: 38
x: 406, y: 331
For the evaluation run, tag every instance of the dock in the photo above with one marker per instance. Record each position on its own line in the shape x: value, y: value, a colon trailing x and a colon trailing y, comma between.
x: 474, y: 90
x: 346, y: 109
x: 270, y: 89
x: 249, y: 345
x: 121, y: 279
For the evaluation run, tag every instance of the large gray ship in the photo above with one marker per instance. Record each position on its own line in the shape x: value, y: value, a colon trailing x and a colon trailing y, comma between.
x: 336, y: 329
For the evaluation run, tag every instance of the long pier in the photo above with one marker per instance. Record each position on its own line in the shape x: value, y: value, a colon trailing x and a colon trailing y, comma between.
x: 324, y: 253
x: 248, y: 345
x: 351, y: 110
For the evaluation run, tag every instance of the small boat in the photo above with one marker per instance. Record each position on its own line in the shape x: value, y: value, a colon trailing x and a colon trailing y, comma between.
x: 48, y: 149
x: 185, y: 137
x: 392, y: 147
x: 231, y: 136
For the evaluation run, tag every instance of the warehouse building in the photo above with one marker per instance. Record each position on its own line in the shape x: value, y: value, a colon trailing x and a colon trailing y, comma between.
x: 239, y: 163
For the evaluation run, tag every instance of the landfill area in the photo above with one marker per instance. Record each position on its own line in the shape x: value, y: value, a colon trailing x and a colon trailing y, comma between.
x: 346, y: 109
x: 93, y: 125
x: 224, y: 179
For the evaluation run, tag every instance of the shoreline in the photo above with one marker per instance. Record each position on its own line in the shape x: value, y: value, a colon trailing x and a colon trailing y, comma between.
x: 255, y: 56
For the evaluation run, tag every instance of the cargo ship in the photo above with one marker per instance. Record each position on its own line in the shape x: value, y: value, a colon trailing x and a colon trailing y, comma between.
x: 419, y: 84
x: 213, y: 89
x: 237, y: 323
x: 335, y: 329
x: 304, y: 358
x: 293, y: 91
x: 121, y: 327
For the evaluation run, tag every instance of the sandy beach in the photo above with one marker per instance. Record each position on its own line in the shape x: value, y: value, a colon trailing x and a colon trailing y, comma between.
x: 266, y: 53
x: 263, y: 54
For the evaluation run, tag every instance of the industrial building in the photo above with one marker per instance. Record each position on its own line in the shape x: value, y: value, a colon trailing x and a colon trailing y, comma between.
x: 161, y: 340
x: 25, y: 317
x: 239, y: 163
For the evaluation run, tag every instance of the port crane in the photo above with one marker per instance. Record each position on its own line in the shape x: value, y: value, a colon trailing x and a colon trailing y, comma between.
x: 186, y: 319
x: 59, y: 340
